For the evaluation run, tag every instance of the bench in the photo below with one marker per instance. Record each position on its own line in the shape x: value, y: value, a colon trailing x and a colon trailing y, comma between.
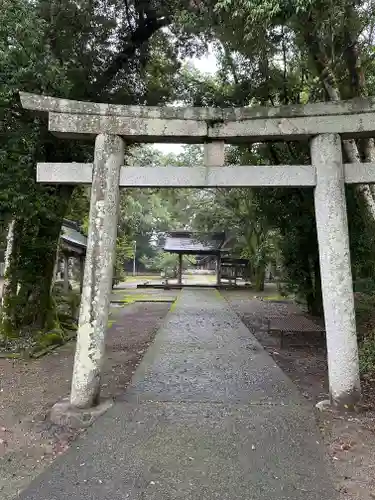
x: 291, y: 325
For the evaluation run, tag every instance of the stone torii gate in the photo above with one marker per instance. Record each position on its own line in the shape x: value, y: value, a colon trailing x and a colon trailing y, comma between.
x: 114, y: 126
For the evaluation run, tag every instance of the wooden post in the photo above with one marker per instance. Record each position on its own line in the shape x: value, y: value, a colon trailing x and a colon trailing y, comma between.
x: 180, y: 268
x: 81, y: 272
x: 66, y: 273
x: 218, y: 270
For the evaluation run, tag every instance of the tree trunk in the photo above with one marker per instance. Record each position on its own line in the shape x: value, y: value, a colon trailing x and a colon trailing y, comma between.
x: 8, y: 257
x: 317, y: 305
x: 362, y: 190
x: 259, y: 276
x: 31, y: 308
x: 55, y: 266
x: 38, y: 306
x: 9, y: 293
x: 308, y: 282
x: 352, y: 154
x: 323, y: 67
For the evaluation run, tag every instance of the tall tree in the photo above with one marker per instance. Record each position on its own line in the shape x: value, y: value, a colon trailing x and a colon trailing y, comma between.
x: 79, y: 50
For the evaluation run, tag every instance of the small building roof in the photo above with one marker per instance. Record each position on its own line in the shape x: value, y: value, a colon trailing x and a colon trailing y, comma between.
x: 72, y: 238
x: 187, y: 242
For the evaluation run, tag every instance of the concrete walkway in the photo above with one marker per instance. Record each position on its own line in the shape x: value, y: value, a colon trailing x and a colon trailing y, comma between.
x: 209, y: 416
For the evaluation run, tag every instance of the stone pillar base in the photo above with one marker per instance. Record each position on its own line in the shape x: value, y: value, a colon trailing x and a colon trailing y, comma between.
x: 63, y: 413
x: 324, y: 405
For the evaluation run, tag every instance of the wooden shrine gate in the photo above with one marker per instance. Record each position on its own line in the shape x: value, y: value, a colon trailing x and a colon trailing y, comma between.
x: 112, y: 126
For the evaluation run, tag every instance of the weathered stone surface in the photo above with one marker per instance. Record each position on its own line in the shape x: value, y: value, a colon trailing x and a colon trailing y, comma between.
x: 53, y: 104
x: 170, y: 176
x: 97, y: 283
x: 337, y: 286
x: 63, y: 413
x: 64, y: 173
x: 287, y: 129
x: 359, y: 173
x: 275, y: 175
x: 56, y: 105
x: 194, y: 125
x: 134, y: 129
x: 214, y: 154
x: 195, y: 131
x: 228, y: 176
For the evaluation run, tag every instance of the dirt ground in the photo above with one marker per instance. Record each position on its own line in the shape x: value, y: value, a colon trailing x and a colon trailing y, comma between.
x: 28, y: 440
x: 349, y: 438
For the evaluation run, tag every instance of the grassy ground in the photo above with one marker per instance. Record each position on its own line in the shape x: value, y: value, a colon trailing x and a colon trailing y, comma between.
x: 130, y: 296
x: 142, y: 279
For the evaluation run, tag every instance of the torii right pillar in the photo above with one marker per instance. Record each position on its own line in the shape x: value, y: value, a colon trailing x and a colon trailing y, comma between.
x: 335, y: 268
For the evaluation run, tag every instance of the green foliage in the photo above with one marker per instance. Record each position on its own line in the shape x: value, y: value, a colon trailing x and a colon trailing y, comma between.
x: 146, y: 215
x: 79, y: 207
x: 365, y: 307
x: 48, y: 339
x: 92, y: 50
x: 67, y: 303
x: 365, y: 286
x: 367, y: 355
x: 237, y: 211
x: 163, y: 262
x: 124, y: 251
x: 295, y: 51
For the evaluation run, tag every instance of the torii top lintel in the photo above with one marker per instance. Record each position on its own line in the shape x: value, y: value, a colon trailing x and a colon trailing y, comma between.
x: 68, y: 118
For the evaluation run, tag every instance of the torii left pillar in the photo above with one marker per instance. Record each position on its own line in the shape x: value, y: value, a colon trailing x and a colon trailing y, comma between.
x: 97, y: 281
